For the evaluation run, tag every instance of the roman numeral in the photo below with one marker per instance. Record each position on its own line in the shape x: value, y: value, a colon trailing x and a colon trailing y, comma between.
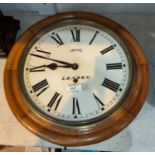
x: 98, y: 101
x: 40, y: 53
x: 108, y: 49
x: 40, y: 87
x: 57, y: 39
x: 75, y: 35
x: 55, y: 101
x: 38, y: 69
x: 114, y: 66
x: 76, y: 108
x: 110, y: 84
x: 93, y: 37
x: 45, y: 53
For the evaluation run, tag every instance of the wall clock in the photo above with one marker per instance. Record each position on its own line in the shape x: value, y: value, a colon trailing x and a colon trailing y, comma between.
x: 76, y: 78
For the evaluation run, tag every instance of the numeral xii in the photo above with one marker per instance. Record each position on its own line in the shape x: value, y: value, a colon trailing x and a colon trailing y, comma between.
x: 76, y: 35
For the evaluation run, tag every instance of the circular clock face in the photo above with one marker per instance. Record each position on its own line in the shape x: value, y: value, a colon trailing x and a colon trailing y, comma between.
x: 76, y: 78
x: 75, y: 72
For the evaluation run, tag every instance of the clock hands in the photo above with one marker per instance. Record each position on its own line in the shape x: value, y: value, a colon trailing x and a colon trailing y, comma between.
x: 53, y: 66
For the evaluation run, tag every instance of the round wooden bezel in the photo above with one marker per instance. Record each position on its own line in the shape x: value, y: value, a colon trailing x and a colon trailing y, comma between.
x: 85, y: 134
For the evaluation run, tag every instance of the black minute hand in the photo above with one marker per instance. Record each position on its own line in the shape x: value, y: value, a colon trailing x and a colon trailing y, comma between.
x: 74, y: 66
x: 61, y: 62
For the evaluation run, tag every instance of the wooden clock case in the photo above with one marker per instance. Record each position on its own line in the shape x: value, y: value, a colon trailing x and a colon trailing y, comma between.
x: 84, y: 134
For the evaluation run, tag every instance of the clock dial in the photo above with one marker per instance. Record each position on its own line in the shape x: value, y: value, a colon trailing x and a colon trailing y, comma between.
x: 78, y: 78
x: 75, y: 73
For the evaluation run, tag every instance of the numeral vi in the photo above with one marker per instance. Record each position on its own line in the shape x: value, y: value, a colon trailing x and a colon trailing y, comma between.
x: 76, y: 107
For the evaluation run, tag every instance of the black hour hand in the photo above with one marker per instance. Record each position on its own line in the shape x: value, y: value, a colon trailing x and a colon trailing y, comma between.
x: 54, y: 66
x: 38, y: 68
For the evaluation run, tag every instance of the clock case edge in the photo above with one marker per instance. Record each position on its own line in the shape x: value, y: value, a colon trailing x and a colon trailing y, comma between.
x: 88, y: 134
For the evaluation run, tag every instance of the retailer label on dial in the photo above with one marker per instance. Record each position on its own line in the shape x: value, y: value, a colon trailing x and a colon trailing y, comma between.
x: 74, y: 88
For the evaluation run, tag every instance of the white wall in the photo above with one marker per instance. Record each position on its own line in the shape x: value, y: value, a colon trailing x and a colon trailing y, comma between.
x: 50, y: 8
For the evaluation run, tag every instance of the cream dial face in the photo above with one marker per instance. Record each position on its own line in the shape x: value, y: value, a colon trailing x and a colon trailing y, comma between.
x: 75, y: 73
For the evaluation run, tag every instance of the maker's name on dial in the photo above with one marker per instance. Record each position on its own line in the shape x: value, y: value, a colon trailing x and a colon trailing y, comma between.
x: 76, y: 50
x: 83, y: 77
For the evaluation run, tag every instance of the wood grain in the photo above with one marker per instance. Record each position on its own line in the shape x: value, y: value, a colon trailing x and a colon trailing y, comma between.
x: 86, y: 134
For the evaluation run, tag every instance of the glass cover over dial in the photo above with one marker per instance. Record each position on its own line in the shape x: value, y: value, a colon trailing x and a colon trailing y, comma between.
x: 75, y: 72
